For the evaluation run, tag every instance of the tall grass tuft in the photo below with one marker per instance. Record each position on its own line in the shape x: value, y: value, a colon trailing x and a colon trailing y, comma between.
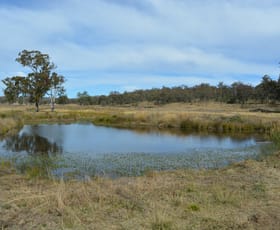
x: 275, y: 135
x: 161, y: 221
x: 9, y: 124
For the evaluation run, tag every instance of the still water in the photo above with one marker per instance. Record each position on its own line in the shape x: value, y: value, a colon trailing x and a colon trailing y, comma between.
x: 94, y: 150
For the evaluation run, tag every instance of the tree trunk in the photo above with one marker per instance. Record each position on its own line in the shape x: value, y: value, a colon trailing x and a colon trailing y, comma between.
x: 37, y: 106
x: 52, y: 106
x: 52, y: 102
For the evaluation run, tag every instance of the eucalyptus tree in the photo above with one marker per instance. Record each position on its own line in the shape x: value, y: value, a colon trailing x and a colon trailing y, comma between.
x: 16, y: 89
x: 39, y: 82
x: 56, y: 88
x: 11, y: 91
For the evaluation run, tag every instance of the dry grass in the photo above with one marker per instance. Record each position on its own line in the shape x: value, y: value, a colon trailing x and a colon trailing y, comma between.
x: 213, y: 117
x: 9, y: 125
x: 242, y: 196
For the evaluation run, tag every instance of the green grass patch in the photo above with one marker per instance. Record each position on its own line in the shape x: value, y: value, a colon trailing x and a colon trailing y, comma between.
x: 194, y: 207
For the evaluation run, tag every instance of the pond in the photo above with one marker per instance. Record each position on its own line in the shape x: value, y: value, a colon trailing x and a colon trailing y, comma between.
x: 86, y: 149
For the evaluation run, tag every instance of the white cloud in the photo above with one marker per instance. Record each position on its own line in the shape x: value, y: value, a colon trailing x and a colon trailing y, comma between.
x: 150, y: 37
x: 156, y: 58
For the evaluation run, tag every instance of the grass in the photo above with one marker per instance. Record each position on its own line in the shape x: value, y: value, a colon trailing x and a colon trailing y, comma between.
x: 9, y: 125
x: 210, y: 117
x: 243, y: 195
x: 274, y: 135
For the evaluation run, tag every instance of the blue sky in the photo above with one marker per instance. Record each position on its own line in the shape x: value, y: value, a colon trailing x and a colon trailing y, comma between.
x: 121, y: 45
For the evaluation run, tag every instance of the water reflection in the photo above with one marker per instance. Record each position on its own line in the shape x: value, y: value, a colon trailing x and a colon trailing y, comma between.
x: 32, y: 144
x: 95, y: 150
x: 183, y: 133
x: 87, y: 139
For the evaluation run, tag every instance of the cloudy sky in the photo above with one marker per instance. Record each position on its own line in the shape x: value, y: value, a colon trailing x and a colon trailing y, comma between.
x: 121, y: 45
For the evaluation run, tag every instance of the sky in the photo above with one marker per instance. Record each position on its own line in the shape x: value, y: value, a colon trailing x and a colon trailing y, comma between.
x: 102, y: 46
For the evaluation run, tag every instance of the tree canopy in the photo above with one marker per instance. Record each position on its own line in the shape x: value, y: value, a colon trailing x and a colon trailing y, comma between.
x: 84, y: 98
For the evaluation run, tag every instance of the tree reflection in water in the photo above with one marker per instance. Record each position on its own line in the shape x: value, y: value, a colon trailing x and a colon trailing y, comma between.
x: 42, y: 158
x: 32, y: 144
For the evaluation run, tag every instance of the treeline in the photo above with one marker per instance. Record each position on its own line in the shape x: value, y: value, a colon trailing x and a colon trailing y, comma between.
x: 268, y: 91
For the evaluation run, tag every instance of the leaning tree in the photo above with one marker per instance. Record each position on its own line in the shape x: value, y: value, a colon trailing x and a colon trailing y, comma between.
x: 41, y: 81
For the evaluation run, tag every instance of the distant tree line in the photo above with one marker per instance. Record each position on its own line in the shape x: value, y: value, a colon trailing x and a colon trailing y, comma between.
x: 268, y: 91
x: 43, y: 82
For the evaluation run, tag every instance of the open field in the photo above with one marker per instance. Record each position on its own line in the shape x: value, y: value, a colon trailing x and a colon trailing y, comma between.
x: 245, y: 195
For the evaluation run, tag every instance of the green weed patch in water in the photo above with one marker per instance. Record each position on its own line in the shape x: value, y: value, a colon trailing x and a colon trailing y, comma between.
x: 38, y: 166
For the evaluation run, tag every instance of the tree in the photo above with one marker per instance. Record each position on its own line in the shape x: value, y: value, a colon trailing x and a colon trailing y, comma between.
x: 267, y: 90
x: 16, y: 89
x: 56, y: 88
x: 84, y: 98
x: 63, y: 99
x: 204, y: 92
x: 278, y: 89
x: 224, y: 92
x: 42, y: 79
x: 39, y: 78
x: 242, y: 92
x: 11, y: 91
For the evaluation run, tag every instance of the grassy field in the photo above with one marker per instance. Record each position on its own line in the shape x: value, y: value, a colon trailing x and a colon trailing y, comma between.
x: 210, y: 117
x: 245, y: 195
